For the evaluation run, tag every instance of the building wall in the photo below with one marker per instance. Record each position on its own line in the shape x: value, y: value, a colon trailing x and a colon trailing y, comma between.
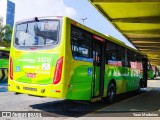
x: 10, y: 13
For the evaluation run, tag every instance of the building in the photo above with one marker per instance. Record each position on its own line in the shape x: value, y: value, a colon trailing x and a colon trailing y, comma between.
x: 7, y: 11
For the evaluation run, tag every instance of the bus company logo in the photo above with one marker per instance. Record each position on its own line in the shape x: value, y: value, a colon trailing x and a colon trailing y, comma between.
x: 6, y: 114
x: 20, y: 114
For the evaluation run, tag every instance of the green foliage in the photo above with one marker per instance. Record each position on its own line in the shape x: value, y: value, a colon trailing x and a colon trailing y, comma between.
x: 5, y: 34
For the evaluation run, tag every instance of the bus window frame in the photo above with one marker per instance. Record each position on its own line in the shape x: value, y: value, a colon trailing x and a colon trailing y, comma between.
x: 85, y: 59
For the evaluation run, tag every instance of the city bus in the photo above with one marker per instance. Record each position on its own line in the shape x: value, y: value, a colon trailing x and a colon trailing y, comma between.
x: 4, y: 63
x: 4, y: 57
x: 151, y: 71
x: 58, y: 57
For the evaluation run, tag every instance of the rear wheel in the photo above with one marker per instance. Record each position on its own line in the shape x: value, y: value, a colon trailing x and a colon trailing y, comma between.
x: 139, y: 87
x: 111, y: 93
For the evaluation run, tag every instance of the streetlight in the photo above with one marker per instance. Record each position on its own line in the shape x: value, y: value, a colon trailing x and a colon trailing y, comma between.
x: 83, y: 19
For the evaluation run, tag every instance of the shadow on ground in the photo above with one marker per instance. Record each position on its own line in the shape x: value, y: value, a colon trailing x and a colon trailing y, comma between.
x: 76, y: 108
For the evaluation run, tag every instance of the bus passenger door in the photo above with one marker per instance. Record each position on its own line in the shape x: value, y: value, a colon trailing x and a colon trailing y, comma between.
x: 98, y: 68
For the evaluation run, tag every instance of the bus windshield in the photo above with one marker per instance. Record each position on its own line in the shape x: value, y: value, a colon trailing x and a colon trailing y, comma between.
x: 37, y: 33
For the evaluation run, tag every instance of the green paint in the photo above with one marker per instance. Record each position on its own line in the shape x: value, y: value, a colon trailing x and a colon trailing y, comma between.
x: 80, y: 82
x: 151, y: 74
x: 82, y: 85
x: 4, y: 63
x: 35, y: 63
x: 96, y: 80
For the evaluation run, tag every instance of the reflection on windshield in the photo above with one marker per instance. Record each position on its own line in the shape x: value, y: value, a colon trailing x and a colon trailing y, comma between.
x: 42, y: 33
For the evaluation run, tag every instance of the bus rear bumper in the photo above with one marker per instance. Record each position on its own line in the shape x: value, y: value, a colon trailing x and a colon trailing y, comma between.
x: 49, y: 90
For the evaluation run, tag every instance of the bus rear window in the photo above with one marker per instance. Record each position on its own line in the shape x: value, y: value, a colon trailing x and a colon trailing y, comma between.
x: 41, y: 33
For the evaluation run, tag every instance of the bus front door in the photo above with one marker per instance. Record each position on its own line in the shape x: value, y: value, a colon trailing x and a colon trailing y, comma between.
x: 98, y: 68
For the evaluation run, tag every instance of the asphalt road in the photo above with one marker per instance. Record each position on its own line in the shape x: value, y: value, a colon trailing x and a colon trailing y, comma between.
x: 125, y: 105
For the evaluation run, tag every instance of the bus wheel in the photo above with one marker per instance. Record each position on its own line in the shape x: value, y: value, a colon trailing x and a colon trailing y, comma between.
x: 111, y: 93
x: 139, y: 87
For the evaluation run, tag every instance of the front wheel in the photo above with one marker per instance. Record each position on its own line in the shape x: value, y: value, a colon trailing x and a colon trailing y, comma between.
x: 111, y: 93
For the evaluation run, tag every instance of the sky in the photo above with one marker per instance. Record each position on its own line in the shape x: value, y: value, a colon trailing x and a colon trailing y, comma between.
x: 75, y: 9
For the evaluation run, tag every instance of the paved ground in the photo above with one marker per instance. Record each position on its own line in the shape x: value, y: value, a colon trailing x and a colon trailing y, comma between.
x: 145, y: 101
x: 144, y: 104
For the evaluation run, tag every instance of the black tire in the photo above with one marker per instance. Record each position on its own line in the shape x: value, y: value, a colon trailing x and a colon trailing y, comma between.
x: 111, y: 93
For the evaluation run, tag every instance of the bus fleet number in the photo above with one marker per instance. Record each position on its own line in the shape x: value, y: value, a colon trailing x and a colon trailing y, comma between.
x: 44, y: 59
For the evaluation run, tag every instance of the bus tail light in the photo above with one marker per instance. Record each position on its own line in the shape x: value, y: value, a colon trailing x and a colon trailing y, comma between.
x: 58, y: 71
x: 11, y: 69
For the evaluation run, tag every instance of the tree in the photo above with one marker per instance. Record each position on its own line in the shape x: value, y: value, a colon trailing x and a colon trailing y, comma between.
x: 5, y: 34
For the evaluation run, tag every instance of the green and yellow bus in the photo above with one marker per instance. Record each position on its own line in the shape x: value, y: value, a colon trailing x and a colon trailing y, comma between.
x: 58, y: 57
x: 151, y: 71
x: 4, y: 57
x: 4, y: 63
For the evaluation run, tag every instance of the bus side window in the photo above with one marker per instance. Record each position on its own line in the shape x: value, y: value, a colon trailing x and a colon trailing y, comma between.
x: 111, y: 53
x: 0, y: 55
x: 4, y: 55
x: 80, y: 44
x: 97, y: 56
x: 121, y: 56
x: 129, y: 55
x: 139, y: 61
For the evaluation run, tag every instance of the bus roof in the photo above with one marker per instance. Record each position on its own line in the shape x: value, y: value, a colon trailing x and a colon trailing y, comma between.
x: 107, y: 37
